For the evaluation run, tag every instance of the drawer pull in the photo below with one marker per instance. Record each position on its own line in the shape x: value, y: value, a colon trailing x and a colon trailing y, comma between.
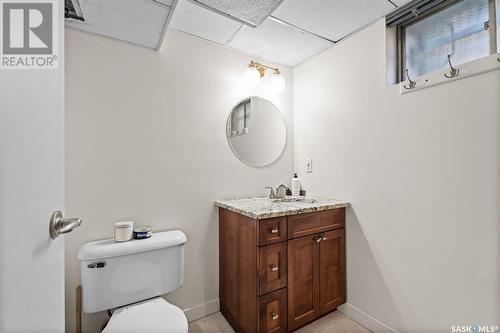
x: 274, y: 316
x: 275, y: 268
x: 274, y: 231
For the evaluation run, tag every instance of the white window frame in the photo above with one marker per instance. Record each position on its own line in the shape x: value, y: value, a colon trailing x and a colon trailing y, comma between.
x: 396, y: 71
x: 401, y: 33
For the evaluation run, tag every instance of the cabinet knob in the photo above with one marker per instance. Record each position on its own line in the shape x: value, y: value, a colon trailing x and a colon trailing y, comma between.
x: 274, y: 316
x: 319, y: 238
x: 274, y: 231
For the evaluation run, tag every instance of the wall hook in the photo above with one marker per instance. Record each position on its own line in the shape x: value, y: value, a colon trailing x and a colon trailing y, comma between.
x: 412, y: 83
x: 453, y: 71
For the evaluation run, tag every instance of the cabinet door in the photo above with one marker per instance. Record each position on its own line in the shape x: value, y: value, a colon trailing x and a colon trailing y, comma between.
x: 272, y: 312
x: 301, y: 225
x: 303, y: 281
x: 272, y: 267
x: 332, y: 270
x: 272, y: 230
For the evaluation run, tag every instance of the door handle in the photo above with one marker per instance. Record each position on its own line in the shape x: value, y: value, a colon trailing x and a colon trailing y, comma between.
x: 60, y: 225
x: 318, y: 238
x: 274, y: 231
x: 275, y: 268
x: 274, y: 316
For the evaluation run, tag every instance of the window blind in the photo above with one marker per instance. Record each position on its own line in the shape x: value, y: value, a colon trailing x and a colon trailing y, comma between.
x: 415, y: 9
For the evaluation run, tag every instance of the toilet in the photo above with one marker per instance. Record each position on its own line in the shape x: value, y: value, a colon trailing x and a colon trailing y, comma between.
x: 127, y: 279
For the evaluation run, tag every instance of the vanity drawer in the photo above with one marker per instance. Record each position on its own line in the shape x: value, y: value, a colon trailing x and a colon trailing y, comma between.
x: 272, y: 267
x: 272, y: 230
x: 312, y: 223
x: 272, y: 312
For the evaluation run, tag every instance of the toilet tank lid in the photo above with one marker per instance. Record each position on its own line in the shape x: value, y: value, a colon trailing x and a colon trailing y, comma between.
x: 108, y: 248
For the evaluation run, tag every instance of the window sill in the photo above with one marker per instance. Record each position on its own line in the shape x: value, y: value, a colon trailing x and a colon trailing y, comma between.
x: 476, y: 67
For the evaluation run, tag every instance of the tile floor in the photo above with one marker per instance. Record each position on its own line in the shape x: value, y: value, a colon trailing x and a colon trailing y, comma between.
x: 335, y: 322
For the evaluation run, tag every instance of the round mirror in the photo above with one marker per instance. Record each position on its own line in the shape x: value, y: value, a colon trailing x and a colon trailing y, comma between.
x: 256, y: 131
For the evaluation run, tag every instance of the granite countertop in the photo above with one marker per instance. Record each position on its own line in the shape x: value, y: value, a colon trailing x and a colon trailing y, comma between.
x: 260, y: 208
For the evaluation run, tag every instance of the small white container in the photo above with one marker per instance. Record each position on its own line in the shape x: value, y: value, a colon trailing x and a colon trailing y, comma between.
x: 295, y: 185
x: 124, y: 231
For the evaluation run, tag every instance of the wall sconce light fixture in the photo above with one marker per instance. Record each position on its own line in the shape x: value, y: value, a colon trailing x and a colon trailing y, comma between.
x: 256, y: 71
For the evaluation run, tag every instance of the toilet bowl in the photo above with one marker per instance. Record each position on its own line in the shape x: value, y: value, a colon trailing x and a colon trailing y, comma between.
x: 155, y: 315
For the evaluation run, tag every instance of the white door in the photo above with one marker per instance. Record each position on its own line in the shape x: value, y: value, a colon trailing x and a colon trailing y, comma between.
x: 31, y: 188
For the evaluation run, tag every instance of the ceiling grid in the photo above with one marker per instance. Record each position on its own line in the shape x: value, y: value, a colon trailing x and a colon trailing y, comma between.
x: 293, y: 32
x: 285, y: 32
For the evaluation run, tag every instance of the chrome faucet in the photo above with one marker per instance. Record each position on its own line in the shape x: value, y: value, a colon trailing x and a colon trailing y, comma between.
x: 272, y: 195
x: 280, y: 192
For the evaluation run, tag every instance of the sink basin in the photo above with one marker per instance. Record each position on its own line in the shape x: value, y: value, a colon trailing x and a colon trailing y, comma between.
x: 293, y: 200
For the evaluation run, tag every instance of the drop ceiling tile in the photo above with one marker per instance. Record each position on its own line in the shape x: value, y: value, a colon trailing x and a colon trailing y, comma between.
x: 201, y: 22
x: 332, y: 19
x: 278, y: 42
x: 251, y: 13
x: 141, y: 22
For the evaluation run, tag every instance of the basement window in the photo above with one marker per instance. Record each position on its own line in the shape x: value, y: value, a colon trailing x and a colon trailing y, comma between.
x: 427, y: 31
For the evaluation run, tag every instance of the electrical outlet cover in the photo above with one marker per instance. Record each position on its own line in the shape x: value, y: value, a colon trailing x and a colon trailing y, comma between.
x: 309, y: 168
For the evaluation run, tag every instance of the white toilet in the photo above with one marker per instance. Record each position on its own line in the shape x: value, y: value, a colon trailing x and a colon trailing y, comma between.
x: 127, y: 278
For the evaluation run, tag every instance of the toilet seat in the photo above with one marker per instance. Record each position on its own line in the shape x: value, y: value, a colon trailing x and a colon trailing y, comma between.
x: 151, y: 316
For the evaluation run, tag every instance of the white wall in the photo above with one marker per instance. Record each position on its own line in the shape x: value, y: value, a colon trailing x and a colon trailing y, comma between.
x: 421, y: 171
x: 145, y: 140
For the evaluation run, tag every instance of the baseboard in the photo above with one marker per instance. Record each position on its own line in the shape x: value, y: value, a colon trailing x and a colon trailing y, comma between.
x: 365, y: 319
x: 202, y: 310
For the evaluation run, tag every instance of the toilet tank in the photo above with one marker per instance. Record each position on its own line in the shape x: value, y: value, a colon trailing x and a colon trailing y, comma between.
x: 116, y: 274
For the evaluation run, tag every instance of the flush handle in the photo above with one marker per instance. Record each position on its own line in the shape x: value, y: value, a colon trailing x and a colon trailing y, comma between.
x: 60, y: 225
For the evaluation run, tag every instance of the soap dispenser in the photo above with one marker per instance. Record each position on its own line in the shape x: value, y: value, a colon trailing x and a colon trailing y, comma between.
x: 295, y: 185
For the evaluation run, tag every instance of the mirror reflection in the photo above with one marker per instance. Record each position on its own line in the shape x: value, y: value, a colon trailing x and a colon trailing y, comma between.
x: 256, y: 131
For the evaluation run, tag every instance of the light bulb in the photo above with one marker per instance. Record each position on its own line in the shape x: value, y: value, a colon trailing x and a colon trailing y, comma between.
x: 278, y: 82
x: 252, y: 76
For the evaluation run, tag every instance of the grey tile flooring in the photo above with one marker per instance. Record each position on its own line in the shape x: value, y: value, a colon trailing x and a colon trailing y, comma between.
x: 335, y: 322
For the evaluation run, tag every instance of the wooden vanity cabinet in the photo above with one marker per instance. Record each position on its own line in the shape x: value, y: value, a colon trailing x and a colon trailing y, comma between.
x: 278, y: 274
